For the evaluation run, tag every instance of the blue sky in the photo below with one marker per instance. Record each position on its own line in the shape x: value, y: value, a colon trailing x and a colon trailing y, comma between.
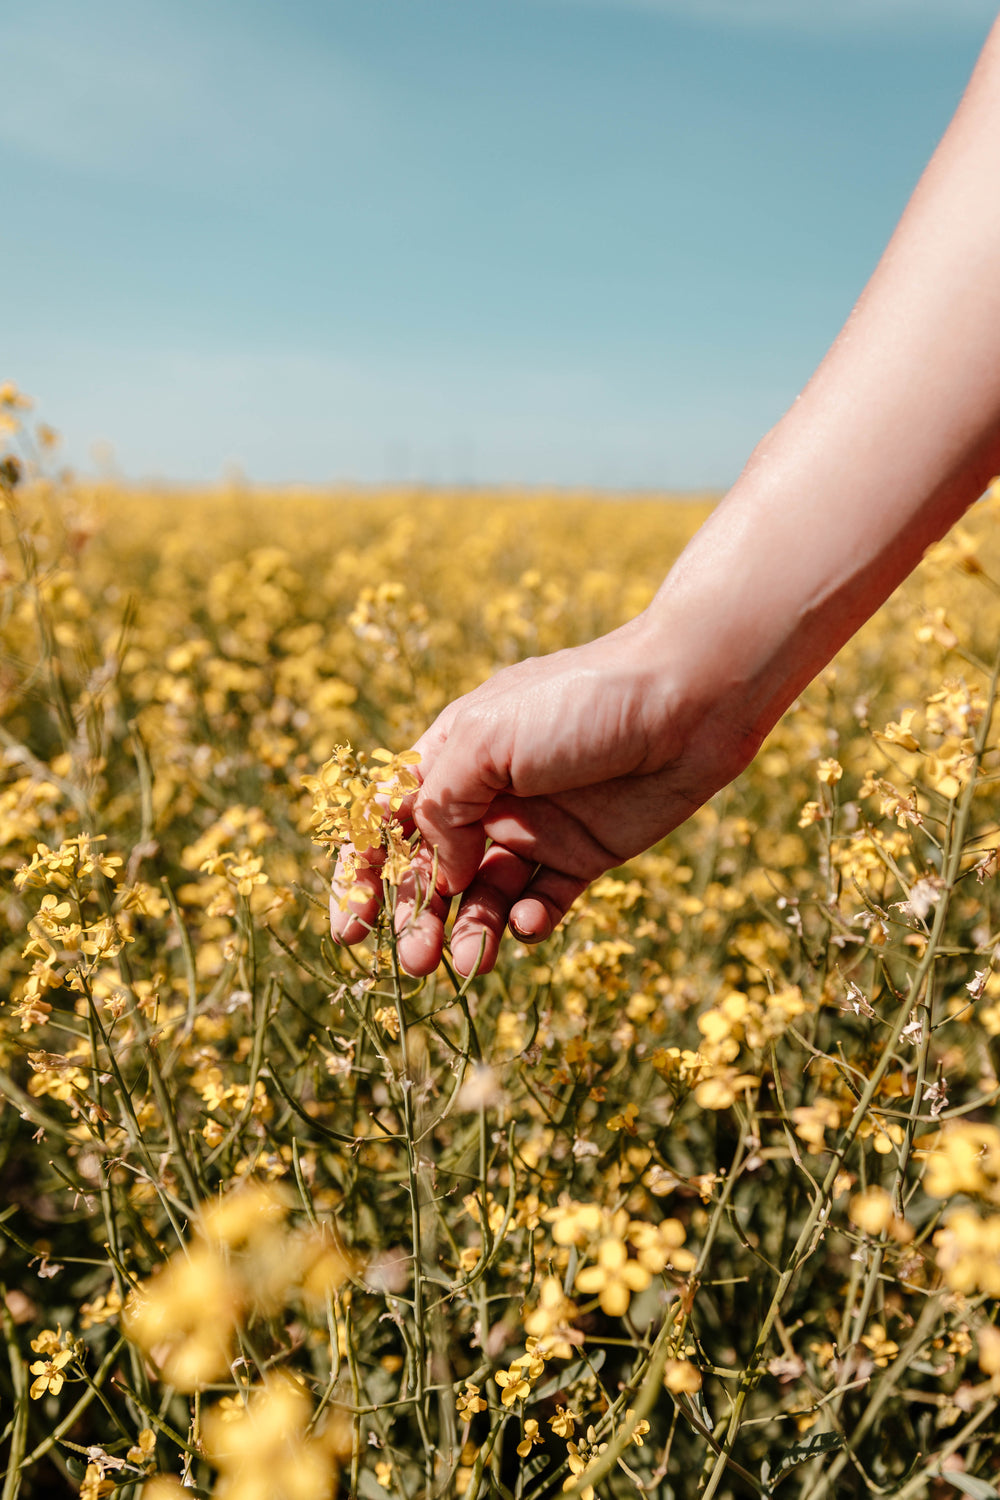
x: 581, y: 242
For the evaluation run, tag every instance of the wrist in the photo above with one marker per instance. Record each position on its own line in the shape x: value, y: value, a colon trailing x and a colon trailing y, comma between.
x: 700, y: 701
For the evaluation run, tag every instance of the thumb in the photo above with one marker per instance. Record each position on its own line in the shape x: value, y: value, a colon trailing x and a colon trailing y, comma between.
x: 460, y: 778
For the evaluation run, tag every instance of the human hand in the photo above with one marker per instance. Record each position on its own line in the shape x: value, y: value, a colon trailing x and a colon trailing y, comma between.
x: 568, y: 765
x: 574, y: 762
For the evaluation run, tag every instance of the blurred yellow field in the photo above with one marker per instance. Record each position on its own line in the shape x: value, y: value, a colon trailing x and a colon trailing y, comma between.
x: 701, y: 1195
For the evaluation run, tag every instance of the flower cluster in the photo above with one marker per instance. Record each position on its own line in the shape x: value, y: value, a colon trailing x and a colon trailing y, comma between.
x: 724, y: 1151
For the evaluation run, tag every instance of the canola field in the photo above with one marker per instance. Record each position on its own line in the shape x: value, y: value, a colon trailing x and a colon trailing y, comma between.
x: 701, y: 1197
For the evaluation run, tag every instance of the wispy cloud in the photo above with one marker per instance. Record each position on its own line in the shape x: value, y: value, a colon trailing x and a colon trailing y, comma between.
x: 118, y: 89
x: 290, y: 416
x: 818, y: 16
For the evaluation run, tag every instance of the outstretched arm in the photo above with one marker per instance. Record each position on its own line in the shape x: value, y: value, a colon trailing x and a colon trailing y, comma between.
x: 572, y: 763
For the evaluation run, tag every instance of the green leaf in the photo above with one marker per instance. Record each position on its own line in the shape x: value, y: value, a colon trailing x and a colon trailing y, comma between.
x: 811, y: 1446
x: 565, y: 1378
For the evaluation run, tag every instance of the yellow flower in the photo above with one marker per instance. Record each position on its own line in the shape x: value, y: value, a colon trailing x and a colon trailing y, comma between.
x: 383, y: 1473
x: 572, y: 1222
x: 989, y: 1349
x: 270, y: 1448
x: 871, y: 1210
x: 968, y: 1252
x: 658, y: 1246
x: 564, y: 1422
x: 50, y: 1374
x: 388, y: 1018
x: 105, y: 1306
x: 884, y: 1134
x: 52, y: 913
x: 247, y: 1215
x: 964, y: 1159
x: 900, y: 733
x: 614, y: 1278
x: 626, y: 1120
x: 723, y: 1087
x: 680, y: 1375
x: 95, y: 1485
x: 580, y: 1458
x: 578, y: 1467
x: 949, y: 768
x: 531, y: 1437
x: 533, y: 1359
x: 552, y: 1320
x: 245, y: 869
x: 640, y: 1429
x: 185, y: 1318
x: 936, y: 628
x: 470, y: 1401
x: 47, y: 1341
x: 230, y: 1408
x: 882, y: 1348
x: 812, y: 1121
x: 829, y: 771
x: 513, y: 1386
x: 142, y: 1452
x: 164, y: 1487
x: 13, y: 399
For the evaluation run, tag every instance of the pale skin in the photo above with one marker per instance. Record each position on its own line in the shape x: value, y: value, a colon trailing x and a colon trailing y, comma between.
x: 564, y: 766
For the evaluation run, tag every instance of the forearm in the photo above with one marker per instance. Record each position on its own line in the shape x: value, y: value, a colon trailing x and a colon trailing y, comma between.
x: 566, y: 765
x: 896, y: 434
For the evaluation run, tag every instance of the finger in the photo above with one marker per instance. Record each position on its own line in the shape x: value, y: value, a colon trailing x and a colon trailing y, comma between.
x: 434, y: 738
x: 419, y: 923
x: 546, y: 900
x: 456, y: 846
x: 482, y: 916
x: 355, y: 902
x: 549, y: 835
x: 463, y: 774
x: 428, y: 747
